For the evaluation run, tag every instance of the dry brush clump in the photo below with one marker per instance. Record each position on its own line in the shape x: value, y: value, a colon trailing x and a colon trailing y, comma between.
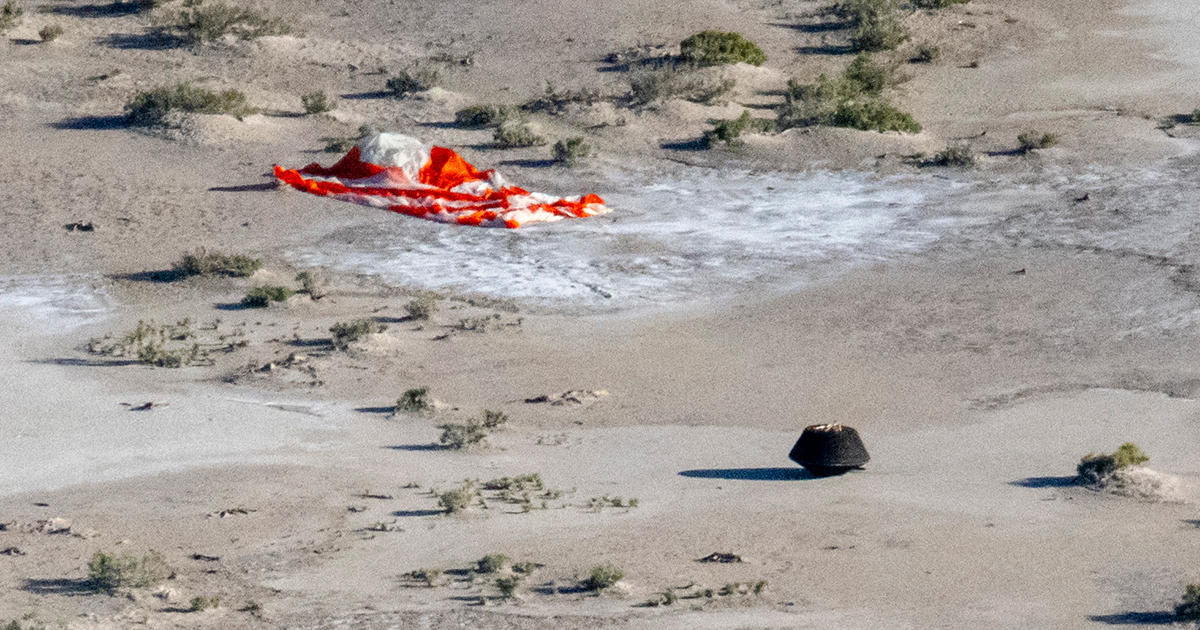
x: 516, y: 135
x: 649, y: 86
x: 568, y: 152
x: 1034, y: 140
x: 318, y: 103
x: 1100, y: 469
x: 853, y: 99
x: 109, y: 572
x: 199, y: 22
x: 412, y: 81
x: 50, y: 32
x: 152, y: 108
x: 728, y: 132
x: 342, y: 334
x: 715, y: 48
x: 415, y: 400
x: 602, y: 578
x: 1189, y: 608
x: 261, y: 297
x: 168, y: 345
x: 203, y: 262
x: 10, y: 15
x: 460, y: 498
x: 485, y: 115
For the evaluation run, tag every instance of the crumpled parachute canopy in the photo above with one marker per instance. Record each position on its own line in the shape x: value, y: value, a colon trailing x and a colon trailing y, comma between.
x: 402, y: 174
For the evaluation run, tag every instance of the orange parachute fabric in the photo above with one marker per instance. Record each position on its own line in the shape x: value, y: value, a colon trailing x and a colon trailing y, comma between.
x: 399, y: 173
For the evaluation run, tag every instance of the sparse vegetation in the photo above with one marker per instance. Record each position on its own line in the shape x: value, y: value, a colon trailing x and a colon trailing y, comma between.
x: 161, y: 346
x: 345, y: 333
x: 853, y: 99
x: 524, y: 568
x: 109, y: 572
x: 10, y: 15
x: 428, y: 576
x: 311, y: 283
x: 1195, y: 119
x: 936, y: 4
x: 205, y: 263
x: 516, y: 134
x: 413, y: 400
x: 1033, y: 140
x: 957, y: 155
x: 50, y: 32
x: 493, y: 419
x: 149, y: 109
x: 481, y: 116
x: 648, y: 86
x: 460, y: 436
x: 602, y: 578
x: 926, y: 53
x: 507, y: 585
x: 492, y: 563
x: 729, y: 131
x: 199, y: 604
x: 459, y: 499
x: 261, y: 297
x: 715, y: 48
x: 596, y: 504
x: 198, y: 22
x: 553, y: 101
x: 1098, y: 469
x: 570, y: 151
x: 873, y: 23
x: 318, y: 102
x: 1189, y: 608
x: 422, y: 308
x: 412, y: 81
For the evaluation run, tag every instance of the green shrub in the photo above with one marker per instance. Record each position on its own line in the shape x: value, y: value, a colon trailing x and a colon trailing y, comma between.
x: 418, y: 80
x: 413, y: 401
x: 50, y: 32
x: 570, y: 151
x: 318, y: 102
x: 422, y: 308
x: 261, y: 297
x: 153, y: 345
x: 507, y: 585
x: 554, y: 101
x: 648, y: 86
x: 480, y: 116
x: 926, y: 53
x: 345, y: 333
x: 109, y: 572
x: 493, y: 419
x: 959, y: 155
x: 1033, y: 140
x: 874, y: 113
x: 873, y: 23
x: 199, y: 604
x: 715, y: 48
x: 205, y: 263
x: 728, y: 131
x: 492, y: 563
x: 461, y: 436
x: 198, y: 22
x: 10, y: 15
x: 511, y: 135
x: 1096, y: 469
x: 148, y: 109
x: 936, y: 4
x: 1189, y: 609
x: 852, y: 99
x: 602, y: 577
x: 869, y: 77
x: 459, y: 499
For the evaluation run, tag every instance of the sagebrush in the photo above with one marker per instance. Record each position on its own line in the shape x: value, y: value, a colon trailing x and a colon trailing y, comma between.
x: 602, y: 577
x: 412, y: 81
x: 318, y: 102
x: 514, y: 135
x: 109, y: 572
x: 203, y: 262
x: 568, y: 152
x: 151, y: 108
x: 198, y: 22
x: 342, y: 334
x: 261, y: 297
x: 414, y: 400
x: 729, y: 131
x: 1034, y: 140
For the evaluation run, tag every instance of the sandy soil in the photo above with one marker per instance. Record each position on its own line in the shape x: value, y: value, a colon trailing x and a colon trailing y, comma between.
x: 1059, y: 319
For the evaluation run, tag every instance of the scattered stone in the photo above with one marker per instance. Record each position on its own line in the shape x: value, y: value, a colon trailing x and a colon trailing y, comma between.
x: 86, y: 534
x: 230, y: 512
x: 721, y: 557
x: 167, y: 594
x: 55, y: 525
x: 355, y: 509
x: 80, y: 227
x: 574, y: 398
x: 146, y: 406
x: 11, y: 551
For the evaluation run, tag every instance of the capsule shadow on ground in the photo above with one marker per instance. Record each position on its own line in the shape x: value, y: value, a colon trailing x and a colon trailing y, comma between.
x: 750, y: 474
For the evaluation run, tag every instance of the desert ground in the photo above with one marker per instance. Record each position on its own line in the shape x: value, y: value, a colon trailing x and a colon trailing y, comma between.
x: 1047, y: 309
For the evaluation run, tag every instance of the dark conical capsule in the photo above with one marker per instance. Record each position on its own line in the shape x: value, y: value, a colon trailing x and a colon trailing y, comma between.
x: 829, y: 449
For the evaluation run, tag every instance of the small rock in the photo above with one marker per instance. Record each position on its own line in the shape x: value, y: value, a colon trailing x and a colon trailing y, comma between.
x: 167, y: 594
x: 55, y: 525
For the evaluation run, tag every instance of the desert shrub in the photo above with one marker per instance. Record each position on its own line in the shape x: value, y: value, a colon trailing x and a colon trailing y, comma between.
x: 1096, y: 469
x: 570, y: 151
x: 715, y: 48
x: 422, y: 308
x: 150, y: 108
x: 50, y: 32
x: 493, y: 419
x: 428, y: 576
x: 875, y: 113
x: 873, y: 23
x: 959, y: 155
x: 10, y: 15
x: 868, y: 76
x: 201, y: 603
x: 513, y: 134
x: 1033, y: 140
x: 480, y: 116
x: 311, y: 283
x: 853, y: 99
x: 520, y: 483
x: 602, y: 577
x: 728, y: 131
x: 318, y: 102
x: 492, y: 563
x: 524, y: 568
x: 261, y: 297
x: 413, y: 401
x: 926, y: 53
x: 410, y: 82
x: 648, y: 86
x: 198, y: 22
x: 459, y: 499
x: 461, y: 436
x: 936, y: 4
x: 205, y: 263
x: 507, y: 585
x: 1189, y: 609
x: 109, y: 572
x: 554, y: 101
x: 1195, y: 118
x: 153, y: 345
x: 342, y: 334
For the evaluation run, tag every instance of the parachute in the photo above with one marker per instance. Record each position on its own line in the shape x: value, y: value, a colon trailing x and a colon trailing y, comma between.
x: 402, y: 174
